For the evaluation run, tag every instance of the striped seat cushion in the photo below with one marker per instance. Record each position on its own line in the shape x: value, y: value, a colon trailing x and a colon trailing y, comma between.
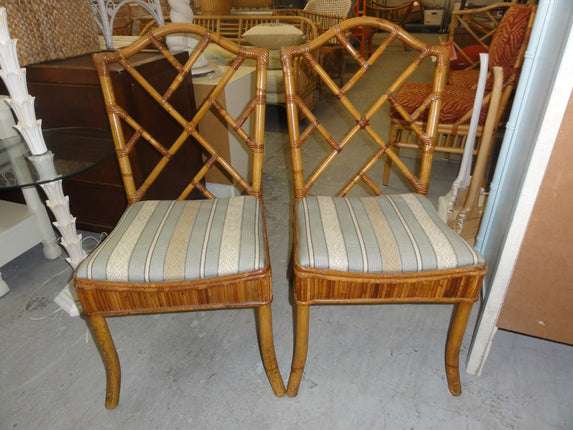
x: 386, y: 234
x: 157, y: 241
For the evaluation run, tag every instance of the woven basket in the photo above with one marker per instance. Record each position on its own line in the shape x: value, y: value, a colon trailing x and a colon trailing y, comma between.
x: 215, y: 7
x: 51, y: 29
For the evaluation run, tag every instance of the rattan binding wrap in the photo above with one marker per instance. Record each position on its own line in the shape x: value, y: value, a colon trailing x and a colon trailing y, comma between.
x: 435, y: 286
x: 230, y: 291
x: 51, y: 29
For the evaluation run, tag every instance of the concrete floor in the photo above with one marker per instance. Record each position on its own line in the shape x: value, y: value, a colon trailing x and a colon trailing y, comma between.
x: 368, y: 367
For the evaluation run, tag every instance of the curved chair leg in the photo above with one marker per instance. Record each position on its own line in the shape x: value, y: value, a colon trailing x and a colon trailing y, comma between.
x: 110, y: 360
x: 268, y: 350
x: 455, y: 337
x: 300, y: 349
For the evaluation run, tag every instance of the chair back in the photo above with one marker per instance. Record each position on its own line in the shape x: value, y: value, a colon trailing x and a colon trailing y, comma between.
x: 171, y: 95
x: 501, y: 29
x: 329, y: 7
x: 508, y: 44
x: 361, y: 111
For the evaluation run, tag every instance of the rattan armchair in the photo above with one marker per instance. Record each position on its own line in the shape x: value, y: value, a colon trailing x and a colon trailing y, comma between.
x: 359, y: 248
x: 181, y: 254
x: 506, y: 50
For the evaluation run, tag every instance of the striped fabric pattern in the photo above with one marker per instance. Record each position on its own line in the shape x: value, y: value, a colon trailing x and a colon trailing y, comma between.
x: 503, y: 50
x: 456, y: 102
x: 508, y: 38
x: 390, y: 234
x: 160, y: 241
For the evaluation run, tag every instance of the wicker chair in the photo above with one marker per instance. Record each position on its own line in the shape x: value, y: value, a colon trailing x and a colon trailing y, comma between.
x: 408, y: 12
x: 372, y: 249
x: 181, y: 255
x: 326, y: 14
x: 506, y: 50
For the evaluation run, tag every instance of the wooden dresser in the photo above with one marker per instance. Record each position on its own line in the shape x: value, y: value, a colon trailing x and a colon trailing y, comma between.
x: 68, y: 94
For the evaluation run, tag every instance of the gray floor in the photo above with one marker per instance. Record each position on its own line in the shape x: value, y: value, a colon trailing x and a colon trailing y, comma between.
x: 369, y: 367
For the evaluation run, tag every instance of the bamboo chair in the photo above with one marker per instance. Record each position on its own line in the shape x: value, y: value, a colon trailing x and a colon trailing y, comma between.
x: 506, y: 50
x: 351, y: 249
x: 470, y: 32
x: 361, y: 36
x: 181, y: 255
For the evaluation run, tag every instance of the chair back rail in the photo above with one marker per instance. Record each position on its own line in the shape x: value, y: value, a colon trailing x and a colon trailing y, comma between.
x: 410, y: 11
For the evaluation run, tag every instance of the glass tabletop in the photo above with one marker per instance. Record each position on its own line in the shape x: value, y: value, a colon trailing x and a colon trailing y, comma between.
x: 71, y: 150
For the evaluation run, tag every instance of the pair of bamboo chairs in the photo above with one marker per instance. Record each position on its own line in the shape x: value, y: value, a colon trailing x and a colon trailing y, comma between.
x: 212, y: 253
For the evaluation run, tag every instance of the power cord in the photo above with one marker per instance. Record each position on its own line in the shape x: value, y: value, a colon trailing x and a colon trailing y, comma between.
x: 31, y: 296
x: 97, y: 240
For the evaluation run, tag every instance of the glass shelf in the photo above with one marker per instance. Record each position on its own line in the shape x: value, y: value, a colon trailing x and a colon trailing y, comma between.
x: 74, y: 150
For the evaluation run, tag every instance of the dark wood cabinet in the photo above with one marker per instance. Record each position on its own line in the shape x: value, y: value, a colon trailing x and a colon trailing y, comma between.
x: 67, y: 93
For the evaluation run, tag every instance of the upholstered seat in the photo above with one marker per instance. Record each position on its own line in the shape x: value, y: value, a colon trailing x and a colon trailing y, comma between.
x: 457, y: 102
x: 382, y: 234
x: 170, y: 241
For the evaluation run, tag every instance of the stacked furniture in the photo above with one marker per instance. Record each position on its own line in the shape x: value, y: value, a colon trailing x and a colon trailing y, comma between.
x: 264, y: 31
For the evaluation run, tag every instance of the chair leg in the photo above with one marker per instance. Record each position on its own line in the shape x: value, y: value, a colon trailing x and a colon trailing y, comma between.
x: 268, y: 350
x: 300, y: 349
x: 392, y: 139
x: 388, y: 166
x: 110, y: 360
x: 455, y: 337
